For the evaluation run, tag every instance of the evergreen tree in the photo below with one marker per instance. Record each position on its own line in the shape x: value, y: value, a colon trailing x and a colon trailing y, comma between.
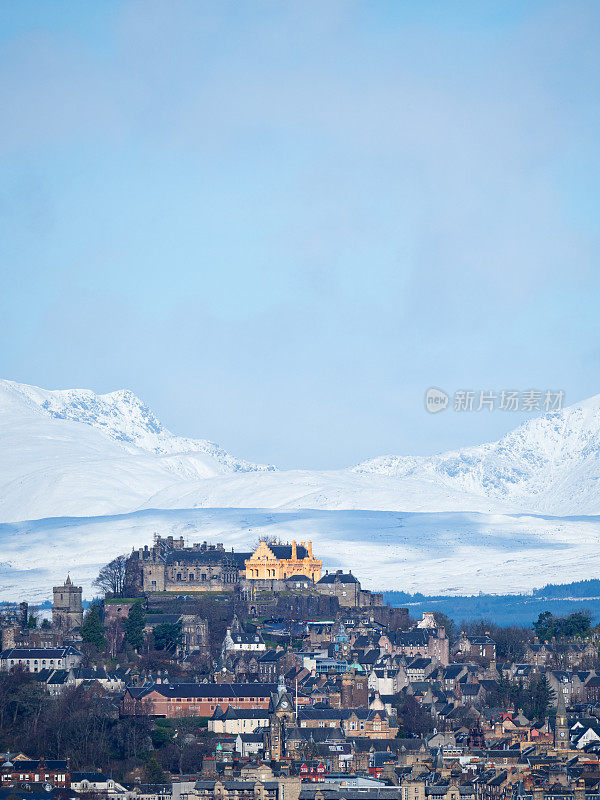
x: 543, y: 696
x: 502, y: 694
x: 167, y: 636
x: 134, y: 626
x: 92, y: 630
x: 153, y: 771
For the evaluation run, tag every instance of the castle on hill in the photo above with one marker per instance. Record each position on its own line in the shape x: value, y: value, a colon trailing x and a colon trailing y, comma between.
x: 169, y: 566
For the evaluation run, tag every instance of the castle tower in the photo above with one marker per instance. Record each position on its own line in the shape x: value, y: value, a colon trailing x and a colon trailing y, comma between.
x: 67, y: 610
x: 561, y: 725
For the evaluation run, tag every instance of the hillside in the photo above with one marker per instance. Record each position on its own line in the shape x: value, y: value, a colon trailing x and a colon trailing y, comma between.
x: 442, y: 553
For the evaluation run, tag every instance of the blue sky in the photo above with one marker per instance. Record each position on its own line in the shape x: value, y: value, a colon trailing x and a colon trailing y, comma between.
x: 280, y: 222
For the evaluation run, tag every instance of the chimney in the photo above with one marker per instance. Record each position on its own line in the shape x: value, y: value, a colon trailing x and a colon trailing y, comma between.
x: 294, y: 550
x: 309, y: 548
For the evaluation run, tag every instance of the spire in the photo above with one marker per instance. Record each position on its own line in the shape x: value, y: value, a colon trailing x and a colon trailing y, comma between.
x: 68, y: 581
x: 561, y: 710
x: 281, y: 687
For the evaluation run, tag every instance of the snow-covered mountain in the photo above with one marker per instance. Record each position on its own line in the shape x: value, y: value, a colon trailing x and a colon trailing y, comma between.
x: 85, y: 476
x: 74, y: 452
x: 123, y: 417
x: 550, y: 464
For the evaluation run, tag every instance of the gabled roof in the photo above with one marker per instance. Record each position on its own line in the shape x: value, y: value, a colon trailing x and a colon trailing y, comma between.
x: 419, y: 663
x: 453, y: 671
x: 338, y: 577
x: 418, y: 637
x: 270, y: 656
x: 40, y: 652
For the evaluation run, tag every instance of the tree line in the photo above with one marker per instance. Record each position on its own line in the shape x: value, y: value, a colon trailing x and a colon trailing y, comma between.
x: 84, y: 726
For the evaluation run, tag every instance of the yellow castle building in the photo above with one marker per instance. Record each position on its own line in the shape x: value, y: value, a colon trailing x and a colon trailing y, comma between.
x: 282, y: 561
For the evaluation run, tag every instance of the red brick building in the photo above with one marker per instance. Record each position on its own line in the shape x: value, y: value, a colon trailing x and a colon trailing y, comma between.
x: 195, y: 699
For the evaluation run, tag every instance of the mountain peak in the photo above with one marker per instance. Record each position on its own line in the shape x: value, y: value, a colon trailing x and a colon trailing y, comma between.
x: 124, y: 417
x: 550, y: 463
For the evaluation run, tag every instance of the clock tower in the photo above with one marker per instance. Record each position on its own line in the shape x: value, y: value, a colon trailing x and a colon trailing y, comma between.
x: 282, y: 713
x: 561, y: 724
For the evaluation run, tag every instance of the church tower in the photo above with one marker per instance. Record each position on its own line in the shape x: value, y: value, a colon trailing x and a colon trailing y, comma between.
x: 282, y: 713
x: 67, y: 610
x: 561, y: 724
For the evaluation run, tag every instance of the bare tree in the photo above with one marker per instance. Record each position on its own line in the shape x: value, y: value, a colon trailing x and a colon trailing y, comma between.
x: 112, y: 577
x: 268, y: 539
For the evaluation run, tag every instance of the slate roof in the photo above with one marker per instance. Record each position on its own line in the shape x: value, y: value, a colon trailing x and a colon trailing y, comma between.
x: 270, y: 656
x: 91, y: 777
x: 240, y: 713
x: 452, y: 671
x: 197, y: 556
x: 208, y: 690
x: 285, y: 551
x: 418, y: 637
x: 338, y: 577
x: 32, y: 765
x: 419, y: 663
x: 40, y: 652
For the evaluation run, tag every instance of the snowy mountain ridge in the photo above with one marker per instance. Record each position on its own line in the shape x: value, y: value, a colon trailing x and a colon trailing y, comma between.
x: 549, y: 464
x: 122, y: 416
x: 74, y: 452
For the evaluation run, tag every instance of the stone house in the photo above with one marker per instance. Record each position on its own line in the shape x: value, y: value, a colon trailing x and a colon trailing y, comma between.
x: 233, y: 720
x: 35, y: 660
